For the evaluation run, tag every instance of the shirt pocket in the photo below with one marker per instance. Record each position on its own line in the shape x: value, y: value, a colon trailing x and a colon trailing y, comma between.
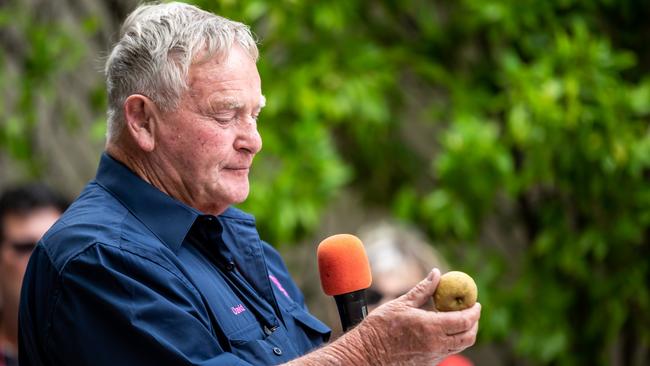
x: 250, y: 332
x: 316, y: 330
x: 258, y: 347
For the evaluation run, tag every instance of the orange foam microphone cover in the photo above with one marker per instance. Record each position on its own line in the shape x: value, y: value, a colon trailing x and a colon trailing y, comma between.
x: 343, y: 265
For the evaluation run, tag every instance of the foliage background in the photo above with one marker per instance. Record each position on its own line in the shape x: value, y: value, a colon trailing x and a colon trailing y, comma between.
x: 514, y: 133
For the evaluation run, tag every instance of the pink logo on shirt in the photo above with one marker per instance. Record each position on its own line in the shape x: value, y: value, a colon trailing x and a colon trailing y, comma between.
x: 279, y: 285
x: 238, y: 309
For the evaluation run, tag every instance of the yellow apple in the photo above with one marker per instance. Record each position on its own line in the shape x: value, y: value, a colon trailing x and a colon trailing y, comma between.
x: 456, y: 291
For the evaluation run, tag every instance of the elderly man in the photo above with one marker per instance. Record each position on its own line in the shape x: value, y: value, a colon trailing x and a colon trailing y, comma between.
x: 26, y: 212
x: 151, y: 265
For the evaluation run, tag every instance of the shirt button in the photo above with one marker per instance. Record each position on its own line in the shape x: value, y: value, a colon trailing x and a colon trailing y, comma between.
x: 277, y: 351
x: 230, y: 266
x: 268, y: 331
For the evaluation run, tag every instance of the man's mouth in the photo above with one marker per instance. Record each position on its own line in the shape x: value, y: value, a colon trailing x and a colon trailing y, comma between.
x: 237, y: 169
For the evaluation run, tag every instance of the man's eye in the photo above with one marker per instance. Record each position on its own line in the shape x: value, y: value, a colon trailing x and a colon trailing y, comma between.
x: 225, y: 119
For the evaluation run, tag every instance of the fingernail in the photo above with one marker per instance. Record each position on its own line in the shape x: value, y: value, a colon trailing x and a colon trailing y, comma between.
x: 430, y: 276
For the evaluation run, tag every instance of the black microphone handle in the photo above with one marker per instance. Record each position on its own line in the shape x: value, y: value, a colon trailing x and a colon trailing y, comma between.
x: 352, y: 308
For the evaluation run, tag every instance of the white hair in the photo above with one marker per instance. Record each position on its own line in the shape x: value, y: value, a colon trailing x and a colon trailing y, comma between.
x: 158, y: 44
x: 391, y: 245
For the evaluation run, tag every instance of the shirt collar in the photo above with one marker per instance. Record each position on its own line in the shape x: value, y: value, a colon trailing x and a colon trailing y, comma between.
x: 232, y: 213
x: 168, y: 219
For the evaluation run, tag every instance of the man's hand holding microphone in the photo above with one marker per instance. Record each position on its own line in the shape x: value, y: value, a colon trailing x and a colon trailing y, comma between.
x: 399, y: 332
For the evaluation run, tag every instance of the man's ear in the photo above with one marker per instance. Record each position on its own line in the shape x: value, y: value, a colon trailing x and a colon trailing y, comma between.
x: 140, y: 114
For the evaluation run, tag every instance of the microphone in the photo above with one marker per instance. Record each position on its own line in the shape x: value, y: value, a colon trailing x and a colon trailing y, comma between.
x: 345, y: 274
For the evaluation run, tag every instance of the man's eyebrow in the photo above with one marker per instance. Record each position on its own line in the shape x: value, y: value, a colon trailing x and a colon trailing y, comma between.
x: 232, y: 103
x: 227, y: 103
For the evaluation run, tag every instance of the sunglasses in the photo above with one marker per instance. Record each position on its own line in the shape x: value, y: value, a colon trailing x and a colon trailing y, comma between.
x: 22, y: 247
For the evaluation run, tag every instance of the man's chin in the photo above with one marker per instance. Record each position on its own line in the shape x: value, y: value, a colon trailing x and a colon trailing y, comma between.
x: 240, y: 199
x: 240, y: 195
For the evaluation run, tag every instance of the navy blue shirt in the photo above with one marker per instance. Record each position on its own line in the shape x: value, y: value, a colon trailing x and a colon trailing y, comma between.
x: 131, y: 276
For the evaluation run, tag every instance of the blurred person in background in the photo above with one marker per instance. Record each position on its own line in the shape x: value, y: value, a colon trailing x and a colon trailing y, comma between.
x: 399, y: 257
x: 152, y: 265
x: 26, y: 212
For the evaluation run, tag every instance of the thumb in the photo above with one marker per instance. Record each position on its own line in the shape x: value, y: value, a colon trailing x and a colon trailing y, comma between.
x: 422, y: 292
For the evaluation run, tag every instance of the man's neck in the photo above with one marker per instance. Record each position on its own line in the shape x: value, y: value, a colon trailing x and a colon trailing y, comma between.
x: 169, y: 184
x: 9, y: 323
x: 8, y: 345
x: 143, y: 168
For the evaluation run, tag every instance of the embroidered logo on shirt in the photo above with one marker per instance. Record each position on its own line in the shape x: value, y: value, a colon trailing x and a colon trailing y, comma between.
x: 238, y: 309
x: 279, y: 285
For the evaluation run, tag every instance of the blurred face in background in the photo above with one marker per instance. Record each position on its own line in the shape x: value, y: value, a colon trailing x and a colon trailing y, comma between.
x: 393, y: 282
x: 21, y: 233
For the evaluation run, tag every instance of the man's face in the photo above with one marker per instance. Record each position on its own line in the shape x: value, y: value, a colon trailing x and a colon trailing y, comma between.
x: 207, y: 145
x: 21, y: 232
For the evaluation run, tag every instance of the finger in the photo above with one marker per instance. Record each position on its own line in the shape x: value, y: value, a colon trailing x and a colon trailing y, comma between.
x: 455, y: 322
x: 421, y: 293
x: 463, y: 340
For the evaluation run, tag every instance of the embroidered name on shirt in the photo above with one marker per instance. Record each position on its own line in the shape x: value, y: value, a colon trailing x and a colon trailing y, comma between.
x: 279, y: 285
x: 238, y: 309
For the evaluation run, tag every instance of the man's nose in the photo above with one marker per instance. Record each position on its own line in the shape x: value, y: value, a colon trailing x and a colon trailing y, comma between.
x: 248, y: 138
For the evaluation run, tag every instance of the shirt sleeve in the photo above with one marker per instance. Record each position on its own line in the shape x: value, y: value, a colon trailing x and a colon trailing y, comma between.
x: 116, y: 307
